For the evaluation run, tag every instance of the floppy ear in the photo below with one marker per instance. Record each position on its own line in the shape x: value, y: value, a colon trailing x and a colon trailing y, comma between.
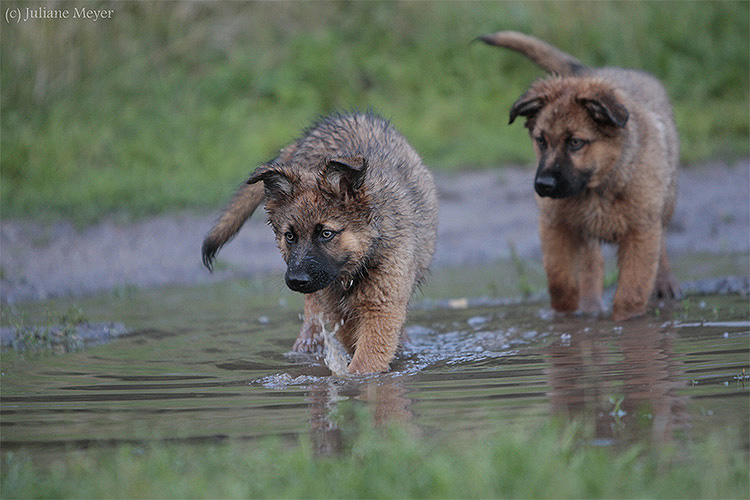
x: 345, y: 174
x: 527, y: 105
x: 605, y: 109
x: 275, y: 181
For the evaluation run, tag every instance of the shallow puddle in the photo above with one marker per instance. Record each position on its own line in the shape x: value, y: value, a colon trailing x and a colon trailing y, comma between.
x: 213, y: 363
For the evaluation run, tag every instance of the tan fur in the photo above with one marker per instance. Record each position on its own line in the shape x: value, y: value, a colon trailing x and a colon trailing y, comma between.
x: 355, y: 178
x: 607, y: 148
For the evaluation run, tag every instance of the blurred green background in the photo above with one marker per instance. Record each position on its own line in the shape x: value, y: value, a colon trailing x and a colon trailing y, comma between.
x: 168, y: 105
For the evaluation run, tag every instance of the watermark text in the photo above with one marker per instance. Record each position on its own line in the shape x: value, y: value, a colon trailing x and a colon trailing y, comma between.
x: 25, y: 14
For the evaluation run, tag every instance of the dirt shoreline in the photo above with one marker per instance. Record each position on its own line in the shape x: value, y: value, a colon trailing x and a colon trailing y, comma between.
x: 481, y: 215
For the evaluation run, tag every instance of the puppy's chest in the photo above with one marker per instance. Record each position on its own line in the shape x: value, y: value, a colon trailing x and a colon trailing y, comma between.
x: 595, y: 218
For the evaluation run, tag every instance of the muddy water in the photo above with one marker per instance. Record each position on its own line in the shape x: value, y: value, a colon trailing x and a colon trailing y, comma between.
x: 210, y: 364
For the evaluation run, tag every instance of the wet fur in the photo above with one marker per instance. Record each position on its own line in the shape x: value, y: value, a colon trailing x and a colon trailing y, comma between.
x: 354, y: 212
x: 607, y: 150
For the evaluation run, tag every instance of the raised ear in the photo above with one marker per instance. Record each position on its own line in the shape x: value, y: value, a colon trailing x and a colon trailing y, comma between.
x: 605, y: 109
x: 527, y: 105
x: 277, y: 184
x: 345, y: 174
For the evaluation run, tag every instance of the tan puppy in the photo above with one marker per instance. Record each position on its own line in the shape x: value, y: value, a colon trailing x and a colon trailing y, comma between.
x: 607, y: 147
x: 354, y: 212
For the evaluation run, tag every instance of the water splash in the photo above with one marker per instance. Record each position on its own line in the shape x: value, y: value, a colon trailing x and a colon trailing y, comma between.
x: 335, y: 356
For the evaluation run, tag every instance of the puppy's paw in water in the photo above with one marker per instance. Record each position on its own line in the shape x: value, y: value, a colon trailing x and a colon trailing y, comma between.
x: 309, y: 339
x: 307, y: 345
x: 624, y: 312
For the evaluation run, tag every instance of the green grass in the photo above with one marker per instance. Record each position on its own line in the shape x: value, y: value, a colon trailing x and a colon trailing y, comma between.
x: 548, y: 461
x: 169, y: 104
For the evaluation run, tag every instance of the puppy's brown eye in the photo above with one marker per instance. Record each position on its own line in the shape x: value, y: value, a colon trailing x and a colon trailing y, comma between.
x: 574, y: 144
x: 541, y: 141
x: 289, y: 237
x: 326, y: 235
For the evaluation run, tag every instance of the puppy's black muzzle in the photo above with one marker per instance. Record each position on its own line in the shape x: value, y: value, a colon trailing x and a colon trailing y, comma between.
x: 308, y: 276
x: 299, y: 281
x: 560, y: 181
x: 545, y: 185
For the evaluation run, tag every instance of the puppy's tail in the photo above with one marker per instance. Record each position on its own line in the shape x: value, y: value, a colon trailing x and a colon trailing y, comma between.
x: 240, y: 208
x: 547, y: 57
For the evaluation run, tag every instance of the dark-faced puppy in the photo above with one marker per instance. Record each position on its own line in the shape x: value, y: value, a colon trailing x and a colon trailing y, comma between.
x: 354, y: 212
x: 607, y: 151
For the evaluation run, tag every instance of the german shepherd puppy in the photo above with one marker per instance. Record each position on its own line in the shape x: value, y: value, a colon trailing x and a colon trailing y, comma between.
x: 354, y: 212
x: 607, y: 148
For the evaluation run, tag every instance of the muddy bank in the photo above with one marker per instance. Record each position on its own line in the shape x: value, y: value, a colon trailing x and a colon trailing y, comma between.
x: 59, y: 338
x: 482, y: 214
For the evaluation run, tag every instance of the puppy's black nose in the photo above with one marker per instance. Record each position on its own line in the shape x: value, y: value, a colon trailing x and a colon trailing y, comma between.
x: 298, y: 280
x: 545, y: 185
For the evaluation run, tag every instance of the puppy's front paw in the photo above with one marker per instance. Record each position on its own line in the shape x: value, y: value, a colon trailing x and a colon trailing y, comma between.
x: 307, y: 345
x: 623, y: 312
x: 362, y: 365
x: 361, y: 368
x: 309, y: 339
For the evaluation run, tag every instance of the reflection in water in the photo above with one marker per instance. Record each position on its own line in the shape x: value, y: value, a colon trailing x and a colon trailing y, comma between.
x: 475, y: 367
x: 383, y: 395
x: 324, y: 430
x: 627, y: 381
